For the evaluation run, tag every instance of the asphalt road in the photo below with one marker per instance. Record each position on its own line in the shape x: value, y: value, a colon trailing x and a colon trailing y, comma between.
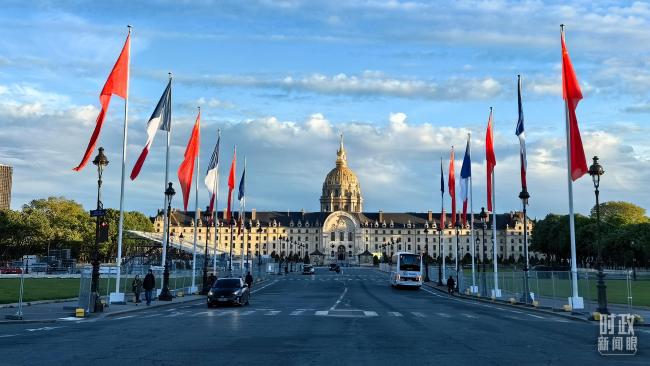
x: 326, y: 319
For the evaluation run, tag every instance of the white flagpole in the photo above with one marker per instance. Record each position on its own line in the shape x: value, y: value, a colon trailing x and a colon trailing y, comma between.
x: 215, y: 215
x: 165, y: 228
x: 575, y: 300
x: 497, y: 291
x: 442, y: 237
x: 471, y: 217
x: 118, y: 297
x: 242, y: 217
x: 196, y: 211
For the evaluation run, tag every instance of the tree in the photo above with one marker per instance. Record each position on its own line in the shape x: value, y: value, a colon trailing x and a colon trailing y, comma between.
x: 620, y: 213
x: 375, y: 260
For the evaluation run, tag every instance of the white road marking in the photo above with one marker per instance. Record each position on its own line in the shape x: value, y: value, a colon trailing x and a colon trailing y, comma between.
x: 418, y: 314
x: 443, y: 315
x: 297, y: 312
x: 263, y: 287
x: 170, y: 309
x: 222, y: 313
x: 70, y: 318
x: 8, y: 335
x: 394, y: 313
x: 152, y: 315
x: 370, y: 313
x: 469, y: 316
x: 124, y: 317
x: 247, y: 312
x: 536, y: 316
x: 339, y: 300
x: 173, y: 315
x: 40, y: 329
x: 321, y: 313
x: 273, y: 312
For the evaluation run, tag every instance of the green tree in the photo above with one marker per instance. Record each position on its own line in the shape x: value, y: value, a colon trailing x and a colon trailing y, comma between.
x: 620, y: 213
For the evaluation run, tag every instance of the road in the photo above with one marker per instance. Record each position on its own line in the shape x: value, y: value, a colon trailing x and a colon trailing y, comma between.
x: 348, y: 319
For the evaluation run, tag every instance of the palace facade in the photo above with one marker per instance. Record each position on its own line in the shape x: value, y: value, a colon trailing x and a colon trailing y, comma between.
x: 343, y: 232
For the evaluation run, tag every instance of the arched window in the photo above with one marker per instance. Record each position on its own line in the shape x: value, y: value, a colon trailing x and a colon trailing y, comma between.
x: 342, y: 236
x: 350, y: 236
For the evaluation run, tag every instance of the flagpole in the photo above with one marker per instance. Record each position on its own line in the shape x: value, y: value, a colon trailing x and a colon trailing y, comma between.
x: 165, y: 226
x: 471, y: 217
x: 575, y: 300
x: 442, y: 212
x: 117, y: 296
x: 196, y: 208
x: 497, y: 291
x: 455, y: 217
x: 232, y: 219
x: 215, y: 214
x: 243, y: 223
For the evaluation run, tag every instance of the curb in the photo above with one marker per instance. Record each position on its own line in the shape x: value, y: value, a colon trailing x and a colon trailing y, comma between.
x: 37, y: 302
x: 520, y: 307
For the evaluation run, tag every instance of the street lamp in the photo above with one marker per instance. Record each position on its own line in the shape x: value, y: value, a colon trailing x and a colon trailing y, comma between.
x: 596, y: 170
x: 207, y: 218
x: 426, y: 251
x: 440, y: 256
x: 524, y: 196
x: 165, y: 295
x: 483, y: 215
x: 101, y: 161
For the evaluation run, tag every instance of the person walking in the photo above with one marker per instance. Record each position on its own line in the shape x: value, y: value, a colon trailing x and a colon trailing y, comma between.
x: 249, y: 280
x: 136, y: 286
x: 450, y: 285
x: 149, y: 284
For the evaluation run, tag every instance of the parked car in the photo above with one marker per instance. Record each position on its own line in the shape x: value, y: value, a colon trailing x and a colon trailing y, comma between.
x: 333, y: 266
x: 228, y: 291
x: 308, y: 270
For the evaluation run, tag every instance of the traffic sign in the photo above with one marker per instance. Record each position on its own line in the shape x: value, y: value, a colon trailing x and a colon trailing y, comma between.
x: 97, y: 213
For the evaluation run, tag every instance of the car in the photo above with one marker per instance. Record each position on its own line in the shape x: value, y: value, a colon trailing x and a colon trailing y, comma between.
x: 308, y: 270
x: 231, y: 290
x: 333, y: 266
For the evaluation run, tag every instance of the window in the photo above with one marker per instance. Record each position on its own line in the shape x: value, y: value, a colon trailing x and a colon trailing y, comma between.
x: 418, y: 240
x: 409, y: 247
x: 512, y: 248
x: 467, y: 248
x: 376, y: 238
x: 520, y: 248
x: 332, y: 236
x: 408, y: 239
x: 342, y: 236
x: 350, y: 236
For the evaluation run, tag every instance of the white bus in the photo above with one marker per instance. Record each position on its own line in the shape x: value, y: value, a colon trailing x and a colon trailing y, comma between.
x: 406, y: 270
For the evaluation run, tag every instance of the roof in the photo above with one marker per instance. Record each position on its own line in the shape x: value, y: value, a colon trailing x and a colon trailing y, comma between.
x: 399, y: 220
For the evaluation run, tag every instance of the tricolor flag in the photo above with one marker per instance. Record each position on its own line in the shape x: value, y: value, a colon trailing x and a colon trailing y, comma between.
x: 161, y: 119
x: 186, y: 169
x: 212, y: 174
x: 231, y: 184
x: 490, y: 159
x: 465, y: 174
x: 572, y: 95
x: 117, y: 83
x: 522, y: 136
x: 452, y: 187
x: 242, y: 197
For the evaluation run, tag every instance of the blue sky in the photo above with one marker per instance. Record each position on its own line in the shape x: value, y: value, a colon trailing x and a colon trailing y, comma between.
x: 403, y: 80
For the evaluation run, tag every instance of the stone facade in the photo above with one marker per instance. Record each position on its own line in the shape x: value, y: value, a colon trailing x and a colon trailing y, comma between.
x: 342, y: 232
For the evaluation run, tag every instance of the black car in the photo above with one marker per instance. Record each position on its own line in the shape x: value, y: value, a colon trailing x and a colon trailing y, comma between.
x: 333, y: 266
x: 229, y: 291
x: 308, y: 269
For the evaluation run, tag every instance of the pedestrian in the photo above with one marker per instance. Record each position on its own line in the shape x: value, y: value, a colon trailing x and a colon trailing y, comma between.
x: 149, y: 284
x: 450, y: 285
x: 136, y: 286
x: 211, y: 279
x: 286, y: 269
x: 249, y: 280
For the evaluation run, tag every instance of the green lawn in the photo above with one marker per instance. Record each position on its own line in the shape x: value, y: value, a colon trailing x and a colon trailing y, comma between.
x: 63, y: 288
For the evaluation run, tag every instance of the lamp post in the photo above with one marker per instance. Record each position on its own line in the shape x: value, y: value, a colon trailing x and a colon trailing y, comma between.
x: 165, y: 295
x: 101, y: 161
x: 483, y: 215
x: 426, y: 251
x: 207, y: 217
x: 440, y: 257
x: 458, y: 226
x: 178, y: 252
x: 259, y: 248
x: 596, y: 170
x: 524, y: 196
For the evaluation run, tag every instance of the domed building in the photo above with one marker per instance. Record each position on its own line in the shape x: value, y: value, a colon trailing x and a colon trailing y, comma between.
x: 342, y: 232
x: 341, y: 189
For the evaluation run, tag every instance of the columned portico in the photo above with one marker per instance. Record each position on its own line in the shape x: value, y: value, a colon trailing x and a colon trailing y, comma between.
x: 341, y: 238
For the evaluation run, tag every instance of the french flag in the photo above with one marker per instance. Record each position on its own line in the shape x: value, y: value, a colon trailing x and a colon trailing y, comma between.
x: 161, y: 119
x: 212, y: 176
x: 522, y: 136
x: 465, y: 174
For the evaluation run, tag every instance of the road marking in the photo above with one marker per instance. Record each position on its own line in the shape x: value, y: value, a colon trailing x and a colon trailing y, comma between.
x: 339, y: 300
x: 247, y: 312
x: 273, y: 312
x: 297, y: 312
x: 370, y: 313
x: 263, y: 287
x: 443, y: 315
x: 124, y: 317
x: 536, y: 316
x: 173, y: 315
x: 152, y: 315
x: 394, y: 313
x: 70, y: 318
x: 222, y: 313
x: 321, y: 313
x: 469, y: 316
x: 418, y: 314
x: 8, y: 335
x: 40, y: 329
x: 170, y: 309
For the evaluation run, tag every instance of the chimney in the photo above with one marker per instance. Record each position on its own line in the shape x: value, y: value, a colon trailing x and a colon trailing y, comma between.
x: 225, y: 214
x: 302, y: 210
x: 381, y: 216
x: 253, y: 214
x: 430, y: 216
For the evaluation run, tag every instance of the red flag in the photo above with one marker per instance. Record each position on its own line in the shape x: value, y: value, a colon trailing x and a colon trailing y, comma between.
x: 452, y: 187
x: 490, y: 159
x: 117, y: 83
x: 186, y: 169
x: 231, y: 183
x: 442, y: 219
x: 572, y: 95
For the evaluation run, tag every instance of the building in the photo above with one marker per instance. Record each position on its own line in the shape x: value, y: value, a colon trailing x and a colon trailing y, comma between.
x: 5, y: 186
x: 343, y: 232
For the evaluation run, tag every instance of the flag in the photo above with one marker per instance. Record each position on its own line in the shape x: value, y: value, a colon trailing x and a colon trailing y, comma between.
x: 522, y: 136
x: 465, y: 174
x: 242, y: 183
x: 572, y: 95
x: 117, y: 83
x: 212, y: 173
x: 186, y: 169
x: 241, y: 197
x: 160, y: 120
x: 442, y: 193
x: 231, y: 183
x: 452, y: 187
x: 490, y: 159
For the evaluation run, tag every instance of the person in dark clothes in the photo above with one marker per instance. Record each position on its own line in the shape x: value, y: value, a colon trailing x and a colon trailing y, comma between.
x: 136, y: 286
x: 149, y: 284
x: 450, y: 285
x: 249, y: 280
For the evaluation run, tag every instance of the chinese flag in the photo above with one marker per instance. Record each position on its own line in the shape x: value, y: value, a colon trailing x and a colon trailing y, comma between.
x: 116, y: 84
x: 572, y: 95
x: 452, y: 188
x: 186, y: 169
x: 231, y: 184
x: 491, y: 160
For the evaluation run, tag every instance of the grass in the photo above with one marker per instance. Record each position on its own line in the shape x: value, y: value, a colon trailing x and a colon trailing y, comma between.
x: 35, y: 289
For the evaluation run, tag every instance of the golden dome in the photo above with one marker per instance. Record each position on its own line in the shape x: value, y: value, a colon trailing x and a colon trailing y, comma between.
x: 341, y: 189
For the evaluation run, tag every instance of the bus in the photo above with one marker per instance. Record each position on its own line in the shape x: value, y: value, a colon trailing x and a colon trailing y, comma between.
x: 406, y: 270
